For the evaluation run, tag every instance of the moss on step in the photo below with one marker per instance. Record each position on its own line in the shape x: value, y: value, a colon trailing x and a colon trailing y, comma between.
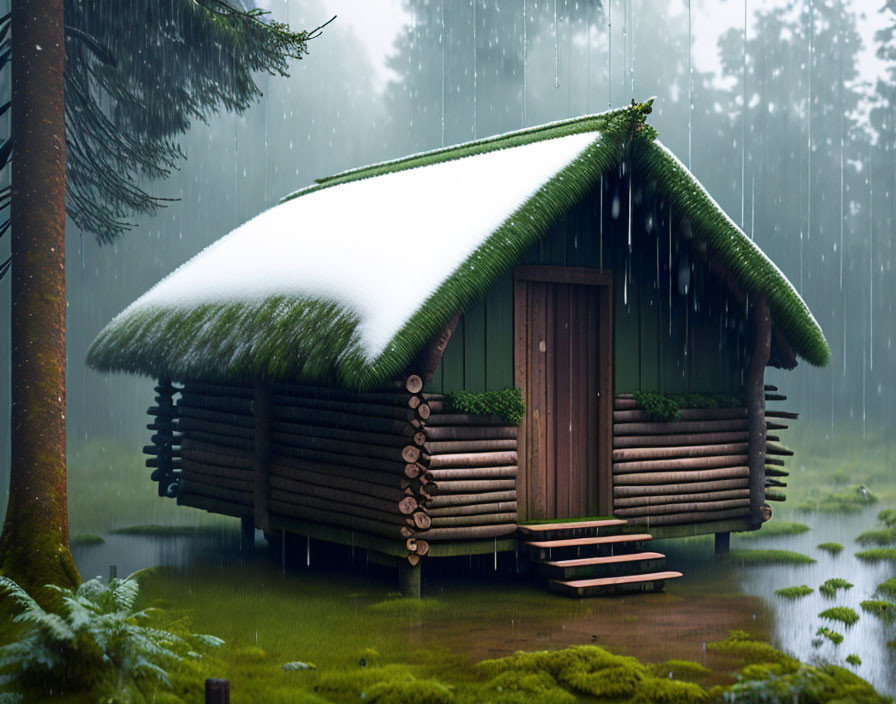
x: 770, y: 557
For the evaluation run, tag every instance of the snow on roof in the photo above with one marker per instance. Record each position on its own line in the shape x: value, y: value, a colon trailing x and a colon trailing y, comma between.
x: 346, y: 280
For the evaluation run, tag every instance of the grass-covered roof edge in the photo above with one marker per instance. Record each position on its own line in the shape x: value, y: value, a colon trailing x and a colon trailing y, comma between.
x: 738, y: 255
x: 308, y: 339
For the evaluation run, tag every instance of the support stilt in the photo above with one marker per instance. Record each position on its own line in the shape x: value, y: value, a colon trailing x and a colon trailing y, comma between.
x: 723, y: 544
x: 410, y: 579
x: 247, y: 536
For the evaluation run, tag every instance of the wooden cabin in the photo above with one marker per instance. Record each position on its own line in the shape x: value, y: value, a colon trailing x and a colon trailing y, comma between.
x: 552, y: 337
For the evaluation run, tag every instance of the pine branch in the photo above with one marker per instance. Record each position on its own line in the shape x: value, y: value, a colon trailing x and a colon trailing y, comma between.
x: 101, y: 52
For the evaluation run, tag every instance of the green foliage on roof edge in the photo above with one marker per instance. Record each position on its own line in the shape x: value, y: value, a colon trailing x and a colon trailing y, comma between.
x: 316, y: 340
x: 505, y: 403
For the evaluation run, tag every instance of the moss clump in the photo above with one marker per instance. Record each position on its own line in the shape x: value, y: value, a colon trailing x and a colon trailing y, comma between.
x: 774, y: 529
x: 848, y: 500
x: 794, y: 592
x: 151, y: 530
x: 832, y: 585
x: 740, y: 647
x: 519, y: 688
x: 831, y: 548
x: 827, y: 683
x: 833, y: 636
x: 854, y: 660
x: 666, y: 407
x: 86, y: 540
x: 770, y: 557
x: 877, y: 554
x: 843, y: 614
x: 888, y: 587
x: 680, y: 670
x: 592, y: 671
x: 884, y: 610
x: 391, y: 684
x: 506, y: 403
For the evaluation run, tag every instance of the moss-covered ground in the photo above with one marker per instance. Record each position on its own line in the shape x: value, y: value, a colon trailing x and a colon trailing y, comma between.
x: 769, y: 557
x: 794, y: 592
x: 773, y: 529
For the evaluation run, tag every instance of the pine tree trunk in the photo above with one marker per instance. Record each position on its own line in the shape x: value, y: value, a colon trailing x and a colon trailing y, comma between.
x: 34, y: 547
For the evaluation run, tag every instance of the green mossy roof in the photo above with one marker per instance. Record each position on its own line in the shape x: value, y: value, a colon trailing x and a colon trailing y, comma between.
x: 316, y: 340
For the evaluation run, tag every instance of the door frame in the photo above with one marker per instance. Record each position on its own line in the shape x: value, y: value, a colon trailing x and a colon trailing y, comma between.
x: 602, y: 279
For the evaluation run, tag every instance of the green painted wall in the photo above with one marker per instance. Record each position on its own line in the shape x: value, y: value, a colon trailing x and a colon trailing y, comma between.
x: 664, y: 341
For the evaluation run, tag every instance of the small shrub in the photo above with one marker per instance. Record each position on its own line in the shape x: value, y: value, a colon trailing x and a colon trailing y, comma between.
x: 506, y: 403
x: 95, y: 642
x: 877, y: 554
x: 770, y: 557
x: 832, y: 636
x: 830, y: 587
x: 843, y: 614
x: 854, y: 660
x: 884, y: 610
x: 831, y: 548
x: 794, y: 592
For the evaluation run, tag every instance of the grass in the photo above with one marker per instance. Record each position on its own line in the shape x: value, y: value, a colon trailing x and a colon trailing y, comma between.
x: 770, y: 557
x: 877, y: 536
x: 888, y: 587
x: 831, y: 548
x: 847, y: 500
x: 884, y: 610
x: 832, y: 585
x: 843, y: 614
x: 877, y: 554
x: 774, y: 529
x: 794, y: 592
x: 832, y: 636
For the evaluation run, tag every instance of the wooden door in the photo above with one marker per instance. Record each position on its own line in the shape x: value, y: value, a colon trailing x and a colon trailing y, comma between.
x: 562, y: 361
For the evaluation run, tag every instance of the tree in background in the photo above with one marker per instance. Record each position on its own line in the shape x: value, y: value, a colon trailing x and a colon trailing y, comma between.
x: 100, y: 92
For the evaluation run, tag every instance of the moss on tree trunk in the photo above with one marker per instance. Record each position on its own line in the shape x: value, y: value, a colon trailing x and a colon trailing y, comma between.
x: 34, y: 547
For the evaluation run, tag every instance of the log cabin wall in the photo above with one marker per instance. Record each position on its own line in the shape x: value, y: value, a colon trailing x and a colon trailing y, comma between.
x: 390, y: 463
x: 695, y: 469
x: 664, y: 340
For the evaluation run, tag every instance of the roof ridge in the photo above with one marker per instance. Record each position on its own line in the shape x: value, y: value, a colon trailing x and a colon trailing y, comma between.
x: 597, y: 122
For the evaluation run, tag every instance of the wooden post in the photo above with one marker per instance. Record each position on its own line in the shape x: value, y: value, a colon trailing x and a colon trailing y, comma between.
x: 723, y: 544
x: 261, y: 466
x: 247, y: 535
x: 217, y: 691
x: 755, y: 398
x: 410, y: 578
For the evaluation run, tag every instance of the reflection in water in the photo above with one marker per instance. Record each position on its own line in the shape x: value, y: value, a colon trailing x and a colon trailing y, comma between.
x: 487, y: 616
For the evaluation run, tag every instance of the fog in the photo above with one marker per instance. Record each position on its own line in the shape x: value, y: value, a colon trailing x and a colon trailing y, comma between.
x: 792, y: 132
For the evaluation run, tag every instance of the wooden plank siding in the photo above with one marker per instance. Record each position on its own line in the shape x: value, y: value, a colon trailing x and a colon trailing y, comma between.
x: 661, y: 343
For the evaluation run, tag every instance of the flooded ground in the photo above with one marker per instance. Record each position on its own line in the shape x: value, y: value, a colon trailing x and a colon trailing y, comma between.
x: 472, y: 614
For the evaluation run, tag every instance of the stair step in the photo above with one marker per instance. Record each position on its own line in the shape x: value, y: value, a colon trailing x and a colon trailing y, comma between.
x: 572, y: 525
x: 600, y: 540
x: 612, y: 585
x: 588, y: 561
x: 608, y: 566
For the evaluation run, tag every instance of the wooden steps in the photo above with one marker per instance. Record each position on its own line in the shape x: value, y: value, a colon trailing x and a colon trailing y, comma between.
x: 594, y: 558
x: 608, y: 586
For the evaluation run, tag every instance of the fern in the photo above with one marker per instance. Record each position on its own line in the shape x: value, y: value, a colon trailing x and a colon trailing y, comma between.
x: 96, y: 640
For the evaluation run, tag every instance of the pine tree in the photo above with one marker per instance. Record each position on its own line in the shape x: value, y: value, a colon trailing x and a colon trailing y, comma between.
x: 101, y: 90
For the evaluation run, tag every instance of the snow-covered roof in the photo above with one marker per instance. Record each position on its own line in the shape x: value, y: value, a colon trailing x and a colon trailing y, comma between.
x: 348, y: 279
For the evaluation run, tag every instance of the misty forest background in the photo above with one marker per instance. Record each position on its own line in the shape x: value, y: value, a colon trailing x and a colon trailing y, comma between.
x: 807, y: 168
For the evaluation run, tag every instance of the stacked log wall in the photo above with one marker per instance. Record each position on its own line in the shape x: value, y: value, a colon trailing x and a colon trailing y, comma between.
x: 393, y: 462
x: 693, y: 469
